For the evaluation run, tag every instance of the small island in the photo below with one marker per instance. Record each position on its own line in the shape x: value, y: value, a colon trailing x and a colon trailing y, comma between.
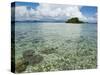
x: 74, y: 20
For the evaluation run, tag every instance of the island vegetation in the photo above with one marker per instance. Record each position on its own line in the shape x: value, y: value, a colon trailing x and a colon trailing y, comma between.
x: 74, y: 20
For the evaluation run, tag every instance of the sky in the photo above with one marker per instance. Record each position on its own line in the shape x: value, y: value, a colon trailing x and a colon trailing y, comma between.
x: 53, y: 12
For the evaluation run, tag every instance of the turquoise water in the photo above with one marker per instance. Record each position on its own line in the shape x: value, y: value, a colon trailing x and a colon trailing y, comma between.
x: 69, y: 42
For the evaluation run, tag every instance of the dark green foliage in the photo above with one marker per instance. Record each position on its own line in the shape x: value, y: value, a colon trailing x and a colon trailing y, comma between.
x: 74, y: 20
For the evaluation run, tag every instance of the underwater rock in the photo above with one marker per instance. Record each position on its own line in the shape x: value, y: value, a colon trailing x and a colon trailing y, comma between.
x: 27, y: 54
x: 23, y: 44
x: 21, y: 65
x: 35, y: 59
x: 49, y: 50
x: 68, y: 41
x: 37, y: 40
x: 30, y: 57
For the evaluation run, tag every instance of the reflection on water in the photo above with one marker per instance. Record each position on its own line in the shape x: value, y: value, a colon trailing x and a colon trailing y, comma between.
x: 67, y: 46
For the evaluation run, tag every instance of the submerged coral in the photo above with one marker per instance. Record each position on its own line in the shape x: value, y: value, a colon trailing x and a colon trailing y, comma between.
x: 31, y: 57
x: 48, y: 50
x: 20, y: 65
x: 56, y: 47
x: 28, y: 54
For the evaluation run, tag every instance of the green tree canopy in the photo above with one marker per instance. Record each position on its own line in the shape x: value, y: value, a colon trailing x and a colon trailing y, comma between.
x: 74, y: 20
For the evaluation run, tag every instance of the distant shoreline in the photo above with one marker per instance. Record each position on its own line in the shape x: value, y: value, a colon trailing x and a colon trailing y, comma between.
x: 48, y: 22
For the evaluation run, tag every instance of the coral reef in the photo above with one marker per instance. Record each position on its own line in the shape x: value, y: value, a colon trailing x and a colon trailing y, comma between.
x: 20, y: 65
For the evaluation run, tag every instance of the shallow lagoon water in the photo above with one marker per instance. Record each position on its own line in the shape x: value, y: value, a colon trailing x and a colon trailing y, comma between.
x: 63, y: 46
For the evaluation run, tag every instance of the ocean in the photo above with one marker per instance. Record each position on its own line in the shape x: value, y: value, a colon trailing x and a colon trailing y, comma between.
x: 63, y: 46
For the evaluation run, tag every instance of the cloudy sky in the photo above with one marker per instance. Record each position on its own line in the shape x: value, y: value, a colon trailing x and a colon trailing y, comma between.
x: 53, y: 12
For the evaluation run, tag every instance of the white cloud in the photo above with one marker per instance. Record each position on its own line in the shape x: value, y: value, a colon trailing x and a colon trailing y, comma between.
x: 92, y: 18
x: 21, y: 13
x: 60, y: 11
x: 49, y: 12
